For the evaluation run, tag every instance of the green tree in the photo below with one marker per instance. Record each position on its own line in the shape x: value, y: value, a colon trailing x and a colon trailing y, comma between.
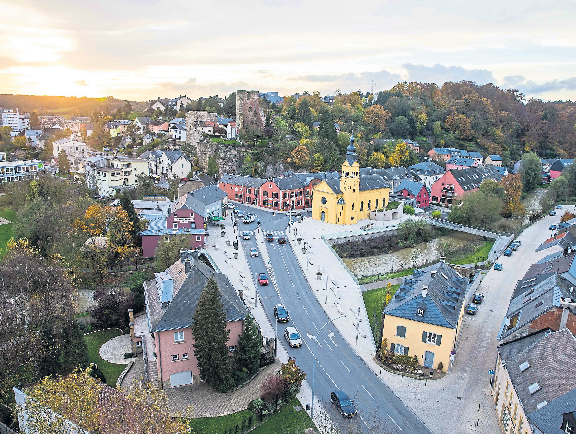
x: 318, y: 159
x: 247, y: 355
x: 212, y: 169
x: 168, y: 251
x: 304, y: 114
x: 63, y: 163
x: 412, y: 232
x: 136, y: 228
x: 34, y: 121
x: 494, y: 188
x: 479, y: 210
x: 409, y: 210
x: 559, y: 188
x: 210, y: 338
x: 248, y: 166
x: 327, y: 130
x: 531, y: 171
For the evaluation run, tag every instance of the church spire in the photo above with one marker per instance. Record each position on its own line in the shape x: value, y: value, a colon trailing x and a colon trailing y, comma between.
x: 351, y: 151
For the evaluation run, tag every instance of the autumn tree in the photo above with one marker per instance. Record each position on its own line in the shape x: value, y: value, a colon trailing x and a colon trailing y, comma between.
x: 531, y: 171
x: 318, y: 160
x: 168, y: 251
x: 273, y: 390
x: 400, y: 156
x: 377, y: 160
x: 376, y: 116
x: 300, y: 155
x: 512, y: 185
x: 478, y: 210
x: 210, y: 338
x: 567, y: 216
x: 293, y: 376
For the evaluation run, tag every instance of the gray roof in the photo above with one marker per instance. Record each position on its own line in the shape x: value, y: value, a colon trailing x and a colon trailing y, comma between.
x: 174, y: 155
x: 550, y: 257
x: 187, y: 288
x: 459, y: 161
x: 495, y: 157
x: 245, y: 181
x: 288, y: 182
x: 372, y: 182
x: 444, y: 299
x: 208, y: 195
x: 559, y: 265
x: 334, y: 185
x: 413, y: 188
x: 471, y: 178
x: 427, y: 168
x: 474, y: 154
x: 549, y: 418
x: 551, y: 367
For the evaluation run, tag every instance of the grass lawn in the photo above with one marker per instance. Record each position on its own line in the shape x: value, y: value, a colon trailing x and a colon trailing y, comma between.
x: 287, y: 420
x: 378, y: 277
x: 374, y: 300
x: 94, y: 341
x: 480, y: 255
x: 6, y: 230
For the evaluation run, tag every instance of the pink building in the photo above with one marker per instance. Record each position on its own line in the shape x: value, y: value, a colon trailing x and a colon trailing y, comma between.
x: 171, y: 300
x: 455, y: 184
x: 414, y: 190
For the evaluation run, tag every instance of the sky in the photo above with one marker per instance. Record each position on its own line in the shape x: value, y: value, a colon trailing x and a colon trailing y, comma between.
x: 145, y: 49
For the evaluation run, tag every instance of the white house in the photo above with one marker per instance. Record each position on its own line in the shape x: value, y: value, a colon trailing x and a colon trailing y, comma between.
x: 169, y: 164
x: 177, y: 131
x: 13, y: 119
x: 73, y: 148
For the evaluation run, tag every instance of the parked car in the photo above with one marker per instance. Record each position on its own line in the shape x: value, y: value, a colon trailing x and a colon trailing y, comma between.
x: 239, y: 213
x: 293, y: 337
x: 514, y: 246
x: 508, y: 252
x: 254, y: 252
x: 343, y: 403
x: 471, y: 309
x: 477, y: 299
x: 552, y: 227
x: 270, y: 237
x: 518, y: 242
x: 281, y: 240
x: 262, y: 279
x: 248, y: 219
x: 558, y: 206
x: 230, y: 205
x: 552, y: 213
x: 498, y: 266
x: 281, y: 313
x: 246, y: 235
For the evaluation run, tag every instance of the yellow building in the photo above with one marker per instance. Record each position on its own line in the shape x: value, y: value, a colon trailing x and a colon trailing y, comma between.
x: 350, y: 198
x: 424, y: 317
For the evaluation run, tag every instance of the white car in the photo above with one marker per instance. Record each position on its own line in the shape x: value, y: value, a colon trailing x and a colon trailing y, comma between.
x: 254, y: 252
x: 293, y: 337
x: 246, y: 235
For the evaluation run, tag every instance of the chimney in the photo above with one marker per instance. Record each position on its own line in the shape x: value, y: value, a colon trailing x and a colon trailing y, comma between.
x: 187, y: 266
x: 424, y: 291
x: 433, y: 273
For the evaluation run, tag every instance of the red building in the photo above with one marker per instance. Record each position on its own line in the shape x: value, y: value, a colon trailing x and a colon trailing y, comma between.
x: 414, y: 190
x: 455, y: 184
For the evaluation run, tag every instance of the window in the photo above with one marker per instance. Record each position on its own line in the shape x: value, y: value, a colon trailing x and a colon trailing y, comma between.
x: 352, y: 207
x: 369, y: 204
x: 401, y: 331
x: 399, y: 349
x: 376, y: 203
x: 185, y: 356
x: 431, y: 338
x: 324, y: 201
x: 265, y: 194
x: 179, y: 336
x: 139, y: 343
x: 175, y: 357
x: 174, y: 225
x: 353, y: 190
x: 232, y: 348
x: 362, y: 206
x: 198, y: 238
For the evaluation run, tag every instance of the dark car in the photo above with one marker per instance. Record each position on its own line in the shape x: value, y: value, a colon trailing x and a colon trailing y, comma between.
x: 552, y: 213
x: 262, y: 279
x: 471, y: 309
x: 281, y: 313
x: 281, y: 240
x: 270, y: 237
x: 508, y: 252
x: 343, y: 403
x: 478, y: 298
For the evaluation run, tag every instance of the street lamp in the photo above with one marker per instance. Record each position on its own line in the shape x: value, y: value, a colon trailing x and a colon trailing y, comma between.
x: 315, y: 338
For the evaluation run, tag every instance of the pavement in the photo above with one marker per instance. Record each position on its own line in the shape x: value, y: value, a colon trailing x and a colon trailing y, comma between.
x: 113, y: 351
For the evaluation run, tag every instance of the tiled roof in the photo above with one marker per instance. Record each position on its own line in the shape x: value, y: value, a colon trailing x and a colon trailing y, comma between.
x: 209, y: 194
x: 413, y: 188
x: 306, y: 178
x: 427, y: 168
x: 564, y: 239
x: 372, y: 182
x: 549, y: 418
x: 187, y: 290
x: 445, y: 295
x: 559, y: 265
x: 551, y: 367
x: 288, y: 182
x: 471, y: 178
x: 157, y: 226
x: 334, y: 185
x: 495, y: 157
x: 550, y: 257
x: 245, y: 181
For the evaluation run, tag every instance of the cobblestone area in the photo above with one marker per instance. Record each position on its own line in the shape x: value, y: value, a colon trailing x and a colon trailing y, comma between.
x: 113, y: 351
x: 206, y: 402
x: 135, y: 374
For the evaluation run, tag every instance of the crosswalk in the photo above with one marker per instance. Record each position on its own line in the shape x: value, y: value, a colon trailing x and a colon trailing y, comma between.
x: 275, y: 233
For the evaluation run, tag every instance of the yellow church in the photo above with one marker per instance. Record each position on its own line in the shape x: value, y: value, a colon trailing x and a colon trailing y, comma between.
x: 349, y: 199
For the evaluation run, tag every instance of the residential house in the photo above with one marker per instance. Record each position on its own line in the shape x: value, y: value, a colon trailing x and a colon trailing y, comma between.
x: 171, y: 301
x: 120, y: 173
x: 424, y: 317
x: 531, y: 373
x: 141, y: 123
x: 558, y: 166
x: 446, y: 153
x: 231, y: 130
x: 426, y: 172
x: 476, y: 156
x: 556, y: 417
x: 414, y: 146
x: 15, y: 120
x: 211, y: 201
x: 18, y: 170
x: 311, y: 180
x: 89, y: 166
x: 158, y: 127
x: 178, y: 103
x: 177, y: 131
x: 32, y: 137
x: 185, y: 218
x: 455, y: 184
x: 159, y: 104
x: 272, y: 97
x: 414, y: 190
x: 75, y: 149
x: 352, y: 197
x: 459, y: 163
x: 565, y: 238
x: 147, y: 139
x: 496, y: 160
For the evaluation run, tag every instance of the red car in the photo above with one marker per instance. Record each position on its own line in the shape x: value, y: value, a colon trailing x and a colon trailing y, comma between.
x: 262, y: 279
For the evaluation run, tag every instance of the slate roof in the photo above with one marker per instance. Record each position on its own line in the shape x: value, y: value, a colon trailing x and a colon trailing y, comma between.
x: 549, y: 418
x: 334, y: 185
x: 475, y: 154
x: 209, y: 194
x: 187, y: 288
x: 471, y: 178
x: 451, y: 151
x: 306, y: 178
x: 550, y: 257
x: 157, y: 226
x: 560, y: 164
x: 552, y: 367
x: 427, y: 168
x: 245, y: 181
x: 495, y: 157
x: 413, y: 188
x: 559, y: 265
x: 443, y: 302
x: 459, y: 161
x: 288, y: 182
x: 173, y: 156
x: 372, y: 182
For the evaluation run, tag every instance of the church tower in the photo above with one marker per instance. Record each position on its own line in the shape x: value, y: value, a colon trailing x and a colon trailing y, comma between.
x: 350, y: 184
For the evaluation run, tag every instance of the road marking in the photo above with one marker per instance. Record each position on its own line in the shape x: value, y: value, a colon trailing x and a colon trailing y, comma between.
x: 330, y: 378
x: 366, y: 391
x: 395, y: 422
x: 349, y: 370
x: 305, y: 310
x: 328, y: 345
x: 314, y: 326
x: 362, y: 419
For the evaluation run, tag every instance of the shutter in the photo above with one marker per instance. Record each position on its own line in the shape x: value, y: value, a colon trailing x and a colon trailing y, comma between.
x: 405, y: 351
x: 424, y: 336
x: 438, y: 339
x: 392, y: 347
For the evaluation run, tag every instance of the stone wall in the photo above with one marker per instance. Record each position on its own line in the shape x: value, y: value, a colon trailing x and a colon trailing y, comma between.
x: 249, y: 115
x: 228, y: 157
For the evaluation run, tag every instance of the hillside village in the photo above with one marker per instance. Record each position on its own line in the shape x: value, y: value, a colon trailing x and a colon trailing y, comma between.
x: 191, y: 251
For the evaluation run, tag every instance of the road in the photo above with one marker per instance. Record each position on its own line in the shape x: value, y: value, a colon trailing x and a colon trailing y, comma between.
x: 337, y: 365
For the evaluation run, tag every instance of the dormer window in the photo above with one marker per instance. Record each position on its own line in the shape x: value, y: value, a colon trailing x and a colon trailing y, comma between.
x: 524, y: 366
x: 420, y: 311
x: 533, y: 388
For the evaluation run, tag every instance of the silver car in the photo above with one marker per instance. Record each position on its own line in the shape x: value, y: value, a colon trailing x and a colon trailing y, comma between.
x: 254, y: 252
x: 293, y: 337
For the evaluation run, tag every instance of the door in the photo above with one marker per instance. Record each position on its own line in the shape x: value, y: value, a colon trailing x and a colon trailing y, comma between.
x: 181, y: 378
x: 429, y: 359
x: 323, y: 216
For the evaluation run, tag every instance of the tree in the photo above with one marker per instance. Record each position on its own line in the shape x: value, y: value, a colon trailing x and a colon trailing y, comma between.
x: 494, y: 188
x: 377, y: 160
x: 210, y: 338
x: 111, y: 308
x: 303, y: 114
x: 412, y: 232
x: 212, y: 169
x: 400, y: 156
x: 479, y: 210
x: 318, y: 159
x: 531, y: 171
x: 512, y: 186
x: 34, y: 121
x: 293, y: 376
x: 300, y: 155
x: 409, y: 210
x: 247, y: 355
x: 327, y: 130
x: 273, y: 390
x: 376, y: 116
x: 137, y: 225
x: 63, y: 163
x: 168, y: 251
x: 248, y: 166
x: 560, y: 188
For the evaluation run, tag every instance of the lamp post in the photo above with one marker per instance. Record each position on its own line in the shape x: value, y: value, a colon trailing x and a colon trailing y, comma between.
x: 327, y: 277
x: 314, y: 366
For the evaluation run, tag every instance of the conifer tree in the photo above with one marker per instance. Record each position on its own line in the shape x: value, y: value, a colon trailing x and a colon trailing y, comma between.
x: 210, y: 338
x: 249, y: 348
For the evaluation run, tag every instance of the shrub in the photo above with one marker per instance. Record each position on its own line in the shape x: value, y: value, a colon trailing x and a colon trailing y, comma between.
x: 413, y: 232
x: 408, y: 209
x: 440, y: 366
x: 392, y: 205
x: 436, y: 214
x: 128, y: 355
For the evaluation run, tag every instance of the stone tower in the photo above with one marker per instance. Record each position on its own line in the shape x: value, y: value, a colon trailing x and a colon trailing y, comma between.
x: 249, y: 115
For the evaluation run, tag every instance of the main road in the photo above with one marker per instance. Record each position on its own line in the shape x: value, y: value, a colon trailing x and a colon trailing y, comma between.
x: 337, y: 365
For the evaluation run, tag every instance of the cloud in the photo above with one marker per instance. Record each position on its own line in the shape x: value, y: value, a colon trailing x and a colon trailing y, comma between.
x: 532, y: 88
x: 512, y: 81
x: 351, y: 82
x: 81, y: 83
x: 440, y: 74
